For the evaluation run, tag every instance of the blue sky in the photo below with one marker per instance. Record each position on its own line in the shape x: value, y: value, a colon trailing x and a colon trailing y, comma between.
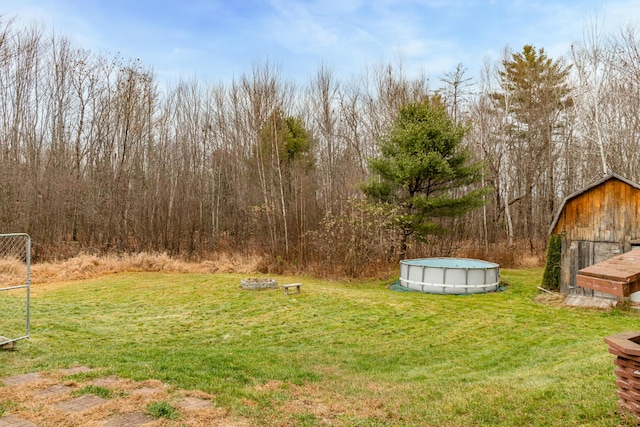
x: 221, y: 39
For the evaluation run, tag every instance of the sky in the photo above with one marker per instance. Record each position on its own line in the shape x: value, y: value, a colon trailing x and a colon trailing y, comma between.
x: 219, y: 40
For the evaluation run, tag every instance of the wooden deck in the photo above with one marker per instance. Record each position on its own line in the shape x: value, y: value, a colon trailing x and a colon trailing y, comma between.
x: 618, y: 276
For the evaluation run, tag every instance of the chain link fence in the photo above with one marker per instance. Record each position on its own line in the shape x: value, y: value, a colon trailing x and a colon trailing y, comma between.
x: 15, y: 283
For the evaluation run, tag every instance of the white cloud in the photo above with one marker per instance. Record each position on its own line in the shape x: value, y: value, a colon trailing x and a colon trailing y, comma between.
x: 224, y: 38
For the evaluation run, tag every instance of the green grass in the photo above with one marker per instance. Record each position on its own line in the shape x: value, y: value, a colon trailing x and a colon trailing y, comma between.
x: 6, y: 406
x: 103, y: 392
x: 356, y: 353
x: 162, y: 409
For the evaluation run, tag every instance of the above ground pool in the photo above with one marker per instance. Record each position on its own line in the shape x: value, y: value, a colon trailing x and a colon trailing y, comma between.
x: 453, y: 276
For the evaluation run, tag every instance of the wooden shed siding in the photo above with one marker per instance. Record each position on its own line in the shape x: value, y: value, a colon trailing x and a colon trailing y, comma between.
x: 607, y: 213
x: 628, y: 216
x: 595, y: 225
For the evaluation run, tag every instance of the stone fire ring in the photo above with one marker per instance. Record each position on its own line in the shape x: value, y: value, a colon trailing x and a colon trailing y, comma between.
x: 255, y: 283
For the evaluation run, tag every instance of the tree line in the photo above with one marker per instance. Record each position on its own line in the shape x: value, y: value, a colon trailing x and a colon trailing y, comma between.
x: 97, y: 155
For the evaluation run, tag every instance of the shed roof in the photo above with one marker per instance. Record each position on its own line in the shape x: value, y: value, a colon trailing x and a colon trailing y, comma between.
x: 587, y: 188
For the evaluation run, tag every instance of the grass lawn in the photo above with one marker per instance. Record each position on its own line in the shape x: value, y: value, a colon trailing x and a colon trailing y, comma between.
x: 353, y: 354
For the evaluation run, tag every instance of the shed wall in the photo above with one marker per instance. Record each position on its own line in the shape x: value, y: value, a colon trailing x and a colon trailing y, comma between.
x: 609, y: 212
x: 579, y: 254
x: 596, y: 225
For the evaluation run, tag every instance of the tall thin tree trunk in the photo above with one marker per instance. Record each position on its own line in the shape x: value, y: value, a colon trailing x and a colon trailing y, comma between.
x: 507, y: 213
x: 281, y: 185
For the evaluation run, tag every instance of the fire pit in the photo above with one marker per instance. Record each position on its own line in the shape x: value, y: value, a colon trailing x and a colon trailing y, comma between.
x: 257, y: 283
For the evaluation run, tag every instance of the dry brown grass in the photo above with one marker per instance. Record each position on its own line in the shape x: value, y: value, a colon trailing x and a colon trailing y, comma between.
x: 333, y: 408
x: 85, y: 266
x: 28, y: 404
x: 90, y: 266
x: 10, y: 269
x: 549, y: 299
x: 523, y: 254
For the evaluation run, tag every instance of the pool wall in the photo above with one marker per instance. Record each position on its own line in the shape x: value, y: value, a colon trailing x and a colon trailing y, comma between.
x: 455, y: 276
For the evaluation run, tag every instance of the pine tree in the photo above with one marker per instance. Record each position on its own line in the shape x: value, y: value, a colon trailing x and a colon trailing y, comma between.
x: 423, y: 171
x: 535, y: 97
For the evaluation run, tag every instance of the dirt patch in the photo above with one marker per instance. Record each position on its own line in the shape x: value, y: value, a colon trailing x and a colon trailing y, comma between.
x: 332, y: 408
x: 55, y: 399
x: 549, y: 299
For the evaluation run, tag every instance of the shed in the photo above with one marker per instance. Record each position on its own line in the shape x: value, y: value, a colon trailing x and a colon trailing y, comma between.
x: 596, y: 223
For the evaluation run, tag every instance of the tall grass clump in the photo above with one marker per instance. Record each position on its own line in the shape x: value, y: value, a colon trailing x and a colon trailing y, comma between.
x: 162, y: 409
x: 102, y: 392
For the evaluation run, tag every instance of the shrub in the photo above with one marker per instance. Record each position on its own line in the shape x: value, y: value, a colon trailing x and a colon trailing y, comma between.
x: 551, y: 277
x: 355, y: 240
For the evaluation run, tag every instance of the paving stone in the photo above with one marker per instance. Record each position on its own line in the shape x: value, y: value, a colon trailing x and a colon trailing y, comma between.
x: 146, y: 390
x: 194, y: 403
x: 105, y: 382
x: 7, y: 344
x: 11, y: 421
x: 133, y: 419
x: 87, y: 402
x: 76, y: 370
x: 53, y: 390
x: 81, y: 403
x: 21, y: 379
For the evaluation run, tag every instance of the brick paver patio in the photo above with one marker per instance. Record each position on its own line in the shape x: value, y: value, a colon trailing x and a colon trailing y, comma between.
x: 35, y: 391
x: 76, y: 370
x: 21, y: 379
x: 145, y: 391
x: 81, y: 403
x: 11, y: 421
x: 133, y: 419
x: 53, y: 390
x: 193, y: 403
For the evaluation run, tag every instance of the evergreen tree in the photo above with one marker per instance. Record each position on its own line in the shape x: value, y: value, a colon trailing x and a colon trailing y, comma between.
x: 283, y: 159
x: 551, y: 277
x: 423, y: 171
x: 535, y: 97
